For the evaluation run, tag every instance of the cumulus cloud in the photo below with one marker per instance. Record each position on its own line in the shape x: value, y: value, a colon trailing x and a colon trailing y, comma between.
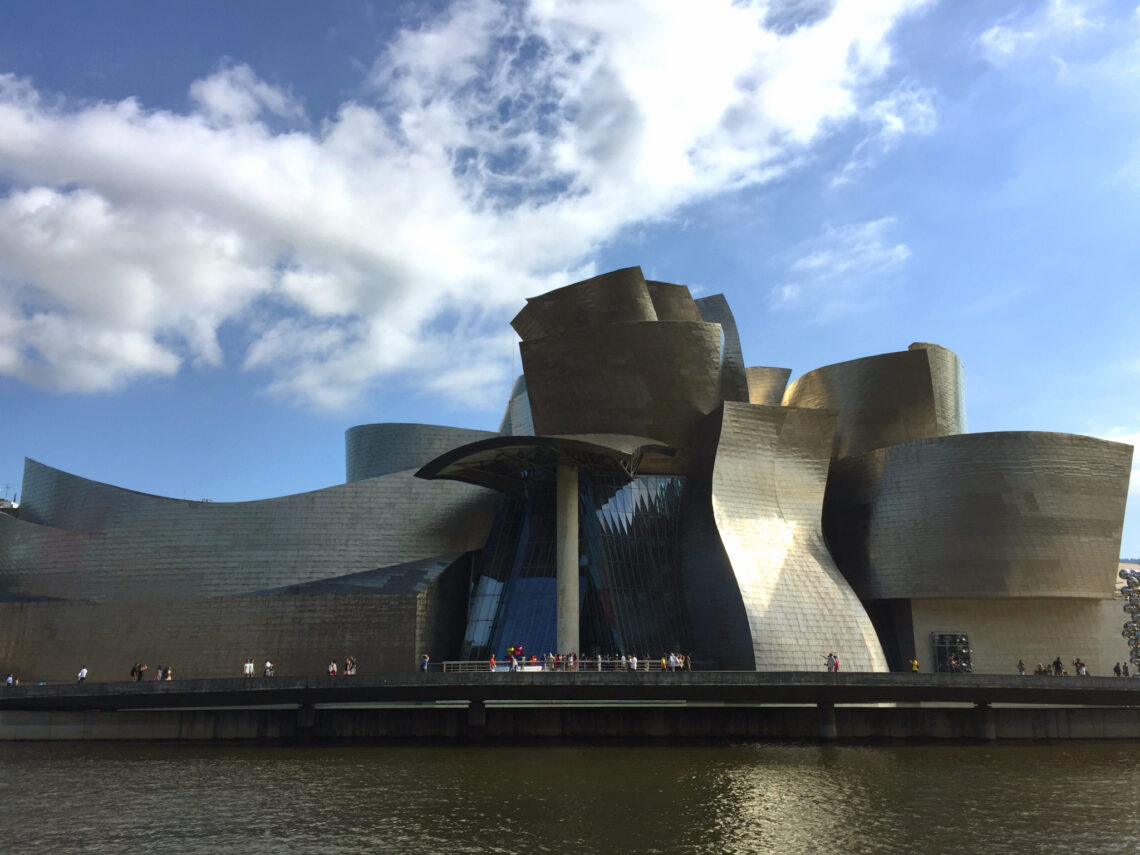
x: 497, y: 146
x: 841, y: 269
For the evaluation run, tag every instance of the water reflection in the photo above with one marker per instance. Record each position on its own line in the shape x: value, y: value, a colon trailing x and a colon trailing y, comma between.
x: 106, y: 797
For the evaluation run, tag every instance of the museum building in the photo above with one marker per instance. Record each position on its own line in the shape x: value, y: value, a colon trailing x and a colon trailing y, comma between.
x: 647, y: 491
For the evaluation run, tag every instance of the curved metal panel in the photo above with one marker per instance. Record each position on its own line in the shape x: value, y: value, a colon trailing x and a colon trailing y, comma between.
x: 617, y: 297
x: 387, y: 447
x: 886, y: 399
x: 763, y: 589
x: 673, y: 302
x: 733, y: 379
x: 766, y: 385
x: 654, y: 379
x: 148, y: 547
x: 1011, y: 514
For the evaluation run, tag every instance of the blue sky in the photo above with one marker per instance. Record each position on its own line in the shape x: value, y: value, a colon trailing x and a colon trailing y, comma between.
x: 228, y: 232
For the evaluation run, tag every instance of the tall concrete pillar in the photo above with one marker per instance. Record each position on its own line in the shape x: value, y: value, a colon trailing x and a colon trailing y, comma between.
x: 567, y: 552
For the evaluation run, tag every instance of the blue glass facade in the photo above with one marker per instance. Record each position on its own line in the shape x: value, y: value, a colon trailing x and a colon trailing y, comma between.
x: 629, y: 587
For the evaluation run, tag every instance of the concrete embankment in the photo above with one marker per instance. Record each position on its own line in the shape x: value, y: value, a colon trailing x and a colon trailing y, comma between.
x: 587, y: 706
x: 581, y: 723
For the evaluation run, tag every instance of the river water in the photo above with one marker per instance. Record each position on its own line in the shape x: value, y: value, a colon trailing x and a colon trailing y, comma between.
x: 357, y: 798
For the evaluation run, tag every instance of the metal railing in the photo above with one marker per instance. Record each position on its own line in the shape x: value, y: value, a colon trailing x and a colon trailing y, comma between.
x: 582, y: 666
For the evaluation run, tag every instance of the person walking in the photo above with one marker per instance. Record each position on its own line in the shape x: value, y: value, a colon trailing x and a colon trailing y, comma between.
x: 82, y: 675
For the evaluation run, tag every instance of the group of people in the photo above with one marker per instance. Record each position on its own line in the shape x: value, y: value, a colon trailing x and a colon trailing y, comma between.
x: 249, y: 668
x: 832, y: 662
x: 11, y: 680
x: 138, y: 673
x: 1057, y: 669
x: 517, y: 660
x: 349, y: 666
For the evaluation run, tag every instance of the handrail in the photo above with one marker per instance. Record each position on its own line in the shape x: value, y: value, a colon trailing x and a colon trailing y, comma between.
x: 582, y: 666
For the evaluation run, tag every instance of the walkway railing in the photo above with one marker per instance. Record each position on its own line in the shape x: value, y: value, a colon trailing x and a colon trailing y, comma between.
x: 583, y: 666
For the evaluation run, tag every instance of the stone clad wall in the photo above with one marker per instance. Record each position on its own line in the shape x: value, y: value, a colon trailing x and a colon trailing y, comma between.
x: 1033, y: 629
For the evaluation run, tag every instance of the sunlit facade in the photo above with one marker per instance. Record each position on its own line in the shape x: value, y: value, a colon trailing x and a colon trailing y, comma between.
x: 714, y: 510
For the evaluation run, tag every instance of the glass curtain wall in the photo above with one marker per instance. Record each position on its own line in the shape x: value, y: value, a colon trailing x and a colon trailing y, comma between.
x: 629, y: 587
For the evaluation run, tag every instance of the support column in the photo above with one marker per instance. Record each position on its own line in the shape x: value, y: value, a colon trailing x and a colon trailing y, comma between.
x: 567, y: 553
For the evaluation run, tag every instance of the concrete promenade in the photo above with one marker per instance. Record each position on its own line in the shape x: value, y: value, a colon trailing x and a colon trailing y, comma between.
x: 585, y: 704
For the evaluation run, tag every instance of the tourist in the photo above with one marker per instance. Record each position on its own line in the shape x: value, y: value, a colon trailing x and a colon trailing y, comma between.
x: 82, y: 675
x: 1116, y: 672
x: 633, y: 662
x: 135, y: 673
x: 142, y: 671
x: 424, y: 660
x: 835, y: 662
x: 9, y: 680
x: 913, y: 663
x: 332, y: 668
x: 1058, y: 667
x: 1020, y: 668
x: 1124, y: 669
x: 829, y: 659
x: 270, y: 669
x: 492, y: 662
x: 169, y: 673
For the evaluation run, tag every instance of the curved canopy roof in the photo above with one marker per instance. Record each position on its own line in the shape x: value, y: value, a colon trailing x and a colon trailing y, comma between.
x: 505, y: 462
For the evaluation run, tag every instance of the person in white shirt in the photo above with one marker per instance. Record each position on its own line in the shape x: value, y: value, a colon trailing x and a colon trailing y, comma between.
x: 82, y: 674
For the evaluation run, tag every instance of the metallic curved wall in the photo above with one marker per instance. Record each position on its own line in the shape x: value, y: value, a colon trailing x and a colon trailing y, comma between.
x: 148, y: 547
x: 1018, y: 514
x: 762, y: 588
x: 387, y: 447
x: 766, y: 385
x: 654, y: 379
x: 886, y: 399
x: 673, y: 302
x: 612, y: 298
x: 734, y: 380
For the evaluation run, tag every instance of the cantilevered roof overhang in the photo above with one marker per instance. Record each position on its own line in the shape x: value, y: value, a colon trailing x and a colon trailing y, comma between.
x: 505, y: 463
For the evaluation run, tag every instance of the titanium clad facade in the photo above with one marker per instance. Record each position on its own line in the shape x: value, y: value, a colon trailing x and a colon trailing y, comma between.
x: 722, y: 513
x: 766, y: 385
x: 673, y: 302
x: 733, y: 377
x: 381, y: 449
x: 612, y: 298
x: 762, y: 589
x: 1012, y: 514
x: 654, y: 380
x: 886, y: 399
x: 143, y: 547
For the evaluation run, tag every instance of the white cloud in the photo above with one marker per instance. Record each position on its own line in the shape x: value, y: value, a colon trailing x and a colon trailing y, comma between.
x: 841, y: 270
x: 500, y: 146
x: 1056, y: 21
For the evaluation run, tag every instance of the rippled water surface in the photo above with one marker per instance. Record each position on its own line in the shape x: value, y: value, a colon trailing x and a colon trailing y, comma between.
x: 179, y: 798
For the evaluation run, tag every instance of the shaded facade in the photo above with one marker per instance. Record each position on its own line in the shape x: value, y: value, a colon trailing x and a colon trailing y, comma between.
x: 718, y: 511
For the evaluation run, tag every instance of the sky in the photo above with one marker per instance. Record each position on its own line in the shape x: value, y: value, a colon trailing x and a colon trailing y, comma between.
x: 231, y: 231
